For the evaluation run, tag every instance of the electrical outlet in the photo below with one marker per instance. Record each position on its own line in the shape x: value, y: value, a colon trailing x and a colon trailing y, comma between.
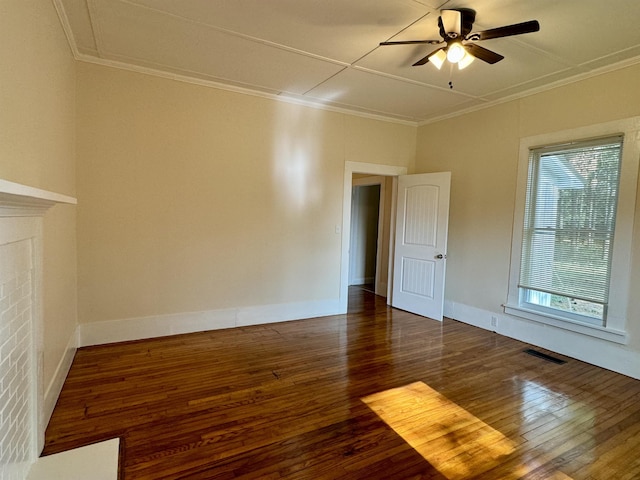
x: 494, y: 321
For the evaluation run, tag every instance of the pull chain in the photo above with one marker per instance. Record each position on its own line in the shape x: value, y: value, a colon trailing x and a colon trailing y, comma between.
x: 451, y: 76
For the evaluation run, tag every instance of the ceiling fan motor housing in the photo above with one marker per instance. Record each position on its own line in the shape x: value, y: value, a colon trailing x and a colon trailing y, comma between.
x: 456, y: 22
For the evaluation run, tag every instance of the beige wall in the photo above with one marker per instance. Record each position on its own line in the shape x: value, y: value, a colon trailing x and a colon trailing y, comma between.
x: 481, y: 151
x: 37, y: 147
x: 194, y: 199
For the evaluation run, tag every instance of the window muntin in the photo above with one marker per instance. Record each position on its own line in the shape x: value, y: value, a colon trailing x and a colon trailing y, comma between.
x: 569, y: 224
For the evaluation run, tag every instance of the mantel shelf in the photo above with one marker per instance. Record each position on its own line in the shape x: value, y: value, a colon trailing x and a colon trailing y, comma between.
x: 21, y: 200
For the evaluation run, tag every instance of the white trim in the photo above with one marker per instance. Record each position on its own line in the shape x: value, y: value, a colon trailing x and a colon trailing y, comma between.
x: 22, y: 208
x: 220, y: 85
x: 245, y: 90
x: 66, y: 27
x: 392, y: 238
x: 610, y: 334
x: 362, y: 281
x: 282, y: 96
x: 318, y: 104
x: 28, y: 228
x: 18, y: 200
x: 126, y: 329
x: 52, y: 392
x: 92, y: 12
x: 22, y: 191
x: 98, y: 461
x: 536, y: 90
x: 349, y: 169
x: 611, y: 356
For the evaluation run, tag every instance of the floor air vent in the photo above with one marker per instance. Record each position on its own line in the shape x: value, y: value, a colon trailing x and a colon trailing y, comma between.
x: 544, y: 356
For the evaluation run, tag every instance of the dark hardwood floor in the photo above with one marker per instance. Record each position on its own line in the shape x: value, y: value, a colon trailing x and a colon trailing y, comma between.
x: 375, y: 394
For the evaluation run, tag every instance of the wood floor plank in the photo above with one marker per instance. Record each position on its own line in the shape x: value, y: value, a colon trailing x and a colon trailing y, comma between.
x: 375, y: 394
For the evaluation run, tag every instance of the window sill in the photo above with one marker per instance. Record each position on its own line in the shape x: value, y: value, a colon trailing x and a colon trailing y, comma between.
x: 604, y: 333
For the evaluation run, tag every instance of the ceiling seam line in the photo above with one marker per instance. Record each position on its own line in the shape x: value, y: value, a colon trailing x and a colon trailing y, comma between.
x: 415, y: 82
x: 409, y: 26
x: 95, y: 29
x: 325, y: 80
x: 244, y: 36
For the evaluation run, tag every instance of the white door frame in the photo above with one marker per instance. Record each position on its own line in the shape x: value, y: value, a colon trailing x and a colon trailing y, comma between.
x: 370, y: 169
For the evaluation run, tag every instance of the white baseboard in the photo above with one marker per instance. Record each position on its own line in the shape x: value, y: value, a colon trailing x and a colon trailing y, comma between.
x: 362, y: 281
x: 121, y: 330
x: 54, y: 388
x: 602, y: 353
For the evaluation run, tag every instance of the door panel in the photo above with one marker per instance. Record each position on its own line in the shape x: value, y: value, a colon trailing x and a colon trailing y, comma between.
x: 421, y: 243
x: 418, y: 276
x: 421, y: 210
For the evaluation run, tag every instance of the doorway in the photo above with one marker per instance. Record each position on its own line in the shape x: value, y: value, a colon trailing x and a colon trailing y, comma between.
x: 369, y: 233
x: 363, y: 251
x: 419, y: 223
x: 354, y: 171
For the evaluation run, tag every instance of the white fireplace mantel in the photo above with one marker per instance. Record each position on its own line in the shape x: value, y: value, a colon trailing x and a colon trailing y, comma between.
x: 17, y: 200
x: 22, y: 209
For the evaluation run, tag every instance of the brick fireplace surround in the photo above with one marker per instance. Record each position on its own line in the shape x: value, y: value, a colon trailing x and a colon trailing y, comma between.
x: 23, y: 415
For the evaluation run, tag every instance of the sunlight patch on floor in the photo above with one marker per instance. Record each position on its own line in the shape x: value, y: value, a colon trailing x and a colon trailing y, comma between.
x: 455, y: 442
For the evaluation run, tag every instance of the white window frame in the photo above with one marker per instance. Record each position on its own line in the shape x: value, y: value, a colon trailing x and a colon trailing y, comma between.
x: 615, y: 327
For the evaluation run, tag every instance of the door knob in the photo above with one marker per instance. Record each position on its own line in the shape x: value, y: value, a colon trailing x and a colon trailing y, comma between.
x: 440, y: 256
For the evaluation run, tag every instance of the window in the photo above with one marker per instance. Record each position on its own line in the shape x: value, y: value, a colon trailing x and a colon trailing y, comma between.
x: 570, y: 212
x: 572, y: 231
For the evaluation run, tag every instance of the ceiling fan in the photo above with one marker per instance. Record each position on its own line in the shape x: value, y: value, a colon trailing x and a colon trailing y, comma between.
x: 460, y: 47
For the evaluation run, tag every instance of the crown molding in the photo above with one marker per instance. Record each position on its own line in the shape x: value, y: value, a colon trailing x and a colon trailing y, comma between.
x: 318, y: 104
x: 534, y: 91
x: 279, y: 96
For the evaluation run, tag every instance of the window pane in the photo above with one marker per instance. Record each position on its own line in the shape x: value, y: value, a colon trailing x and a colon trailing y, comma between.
x: 569, y: 223
x: 565, y: 304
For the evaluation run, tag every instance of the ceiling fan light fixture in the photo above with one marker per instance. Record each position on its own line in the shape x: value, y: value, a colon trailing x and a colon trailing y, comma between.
x: 465, y: 61
x: 438, y: 58
x: 451, y: 21
x: 455, y: 52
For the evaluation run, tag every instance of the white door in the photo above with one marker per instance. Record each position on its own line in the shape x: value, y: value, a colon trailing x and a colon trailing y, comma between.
x: 420, y: 258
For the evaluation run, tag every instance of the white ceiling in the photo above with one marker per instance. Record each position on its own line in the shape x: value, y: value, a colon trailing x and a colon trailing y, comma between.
x: 327, y: 52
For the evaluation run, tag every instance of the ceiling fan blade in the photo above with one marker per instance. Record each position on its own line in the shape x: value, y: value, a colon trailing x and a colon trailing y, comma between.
x: 412, y: 42
x: 507, y: 31
x: 482, y: 53
x: 425, y: 59
x: 422, y: 61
